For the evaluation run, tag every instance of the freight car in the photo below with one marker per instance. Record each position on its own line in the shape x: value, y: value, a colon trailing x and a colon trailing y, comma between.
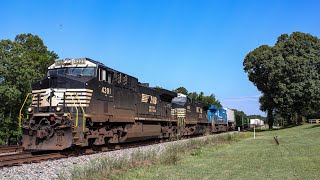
x: 242, y: 122
x: 230, y: 118
x: 82, y: 102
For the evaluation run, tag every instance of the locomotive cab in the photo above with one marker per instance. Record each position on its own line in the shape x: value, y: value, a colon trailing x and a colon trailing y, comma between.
x: 59, y: 104
x: 190, y: 116
x: 218, y: 118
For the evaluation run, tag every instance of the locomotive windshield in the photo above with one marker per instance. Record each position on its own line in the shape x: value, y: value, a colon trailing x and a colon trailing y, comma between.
x: 179, y: 100
x: 74, y: 71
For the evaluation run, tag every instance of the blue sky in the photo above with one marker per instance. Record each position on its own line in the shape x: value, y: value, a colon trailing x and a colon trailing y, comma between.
x: 170, y: 43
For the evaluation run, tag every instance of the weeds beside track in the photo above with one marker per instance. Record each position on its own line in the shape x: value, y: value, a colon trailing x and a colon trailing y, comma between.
x: 296, y: 157
x: 172, y: 155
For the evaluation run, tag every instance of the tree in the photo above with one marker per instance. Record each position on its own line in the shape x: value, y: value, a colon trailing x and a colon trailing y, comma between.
x: 211, y: 100
x: 22, y: 62
x: 182, y: 90
x: 239, y: 113
x: 206, y: 100
x: 193, y: 95
x: 287, y: 75
x: 256, y: 116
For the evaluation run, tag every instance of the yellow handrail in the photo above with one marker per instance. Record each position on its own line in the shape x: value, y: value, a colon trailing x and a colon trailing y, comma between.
x: 181, y: 122
x: 213, y: 124
x: 83, y: 114
x: 20, y: 112
x: 76, y: 109
x: 184, y: 122
x: 69, y: 115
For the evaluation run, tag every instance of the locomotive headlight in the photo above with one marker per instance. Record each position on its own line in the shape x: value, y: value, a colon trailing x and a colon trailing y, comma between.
x: 58, y: 109
x: 30, y: 109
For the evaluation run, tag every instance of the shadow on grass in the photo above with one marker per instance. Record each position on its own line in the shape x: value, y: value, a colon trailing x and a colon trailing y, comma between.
x: 314, y: 126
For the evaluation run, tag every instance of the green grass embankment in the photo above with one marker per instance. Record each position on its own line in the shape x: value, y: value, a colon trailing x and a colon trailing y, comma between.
x: 232, y: 157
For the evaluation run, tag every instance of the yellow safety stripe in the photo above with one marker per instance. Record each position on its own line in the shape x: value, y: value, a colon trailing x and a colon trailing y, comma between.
x: 181, y: 122
x: 83, y: 114
x: 76, y: 125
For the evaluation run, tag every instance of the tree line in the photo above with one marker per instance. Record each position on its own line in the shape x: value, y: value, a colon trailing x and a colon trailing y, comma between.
x: 288, y: 76
x: 23, y: 61
x: 200, y: 97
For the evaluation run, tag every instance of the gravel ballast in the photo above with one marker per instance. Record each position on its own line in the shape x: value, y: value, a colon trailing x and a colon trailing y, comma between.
x: 54, y: 169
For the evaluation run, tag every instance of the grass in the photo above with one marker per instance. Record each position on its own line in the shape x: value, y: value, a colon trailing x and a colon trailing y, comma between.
x: 173, y: 155
x: 225, y: 157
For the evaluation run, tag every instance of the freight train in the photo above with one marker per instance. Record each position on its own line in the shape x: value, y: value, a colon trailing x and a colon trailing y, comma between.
x: 82, y: 102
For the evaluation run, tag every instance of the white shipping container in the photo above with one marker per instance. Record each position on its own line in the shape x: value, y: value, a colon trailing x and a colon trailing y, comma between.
x: 230, y: 115
x: 256, y: 122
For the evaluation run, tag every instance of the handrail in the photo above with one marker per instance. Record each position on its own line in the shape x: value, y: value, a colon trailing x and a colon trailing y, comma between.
x: 184, y: 122
x: 181, y: 122
x: 33, y: 96
x: 83, y: 114
x: 213, y: 124
x: 69, y: 115
x: 20, y: 112
x: 75, y: 107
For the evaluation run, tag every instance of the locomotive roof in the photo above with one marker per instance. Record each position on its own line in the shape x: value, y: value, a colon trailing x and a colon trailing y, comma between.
x: 103, y: 65
x: 81, y: 62
x: 165, y: 91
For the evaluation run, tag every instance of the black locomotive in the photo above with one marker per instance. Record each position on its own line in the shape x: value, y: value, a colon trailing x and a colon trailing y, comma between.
x: 82, y: 102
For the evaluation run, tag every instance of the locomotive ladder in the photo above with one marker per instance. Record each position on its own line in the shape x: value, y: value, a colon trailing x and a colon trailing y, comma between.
x: 181, y: 113
x: 213, y: 125
x: 181, y: 122
x: 75, y: 132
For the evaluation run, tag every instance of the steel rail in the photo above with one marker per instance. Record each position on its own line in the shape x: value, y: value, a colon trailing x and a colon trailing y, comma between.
x: 9, y: 149
x: 28, y: 157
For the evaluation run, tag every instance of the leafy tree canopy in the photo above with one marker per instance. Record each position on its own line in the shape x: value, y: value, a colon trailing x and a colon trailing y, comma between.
x: 207, y: 100
x: 181, y: 90
x: 239, y: 113
x: 23, y: 61
x: 287, y: 74
x: 256, y: 116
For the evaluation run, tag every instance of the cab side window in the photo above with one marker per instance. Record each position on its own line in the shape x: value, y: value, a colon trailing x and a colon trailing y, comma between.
x: 109, y: 77
x: 105, y: 76
x: 102, y: 75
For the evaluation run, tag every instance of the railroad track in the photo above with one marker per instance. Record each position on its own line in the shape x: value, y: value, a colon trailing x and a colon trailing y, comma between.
x: 9, y: 149
x: 38, y: 156
x: 33, y: 157
x: 21, y: 158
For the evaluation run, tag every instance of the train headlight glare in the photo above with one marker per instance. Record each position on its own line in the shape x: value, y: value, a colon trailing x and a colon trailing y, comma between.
x: 58, y: 109
x: 30, y: 109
